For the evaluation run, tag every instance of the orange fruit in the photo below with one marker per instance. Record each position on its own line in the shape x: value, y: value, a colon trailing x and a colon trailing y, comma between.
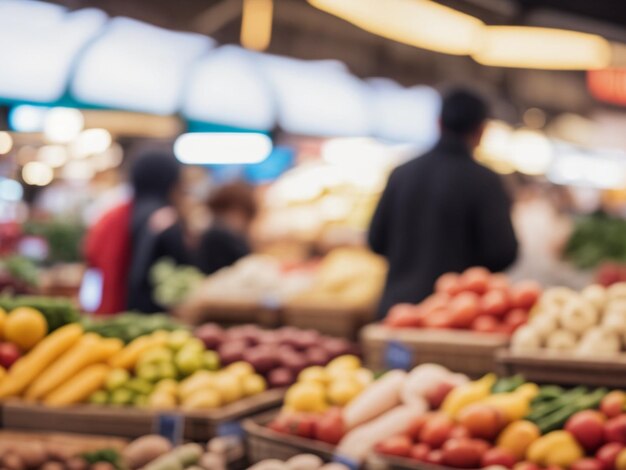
x: 25, y: 327
x: 3, y: 317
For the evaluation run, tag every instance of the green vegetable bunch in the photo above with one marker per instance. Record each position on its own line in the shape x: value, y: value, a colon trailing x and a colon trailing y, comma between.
x: 172, y: 283
x: 57, y: 311
x: 595, y: 239
x: 128, y: 326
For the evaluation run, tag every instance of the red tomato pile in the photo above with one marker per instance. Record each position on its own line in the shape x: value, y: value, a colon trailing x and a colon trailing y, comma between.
x: 476, y: 300
x: 327, y: 427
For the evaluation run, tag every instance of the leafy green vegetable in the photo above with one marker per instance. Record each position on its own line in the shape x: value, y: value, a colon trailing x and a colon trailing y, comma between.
x: 63, y: 237
x: 57, y: 311
x: 595, y: 239
x: 22, y: 269
x: 128, y: 326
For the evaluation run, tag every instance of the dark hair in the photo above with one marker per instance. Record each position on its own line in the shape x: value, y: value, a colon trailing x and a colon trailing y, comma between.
x: 154, y: 174
x: 463, y: 112
x: 234, y: 196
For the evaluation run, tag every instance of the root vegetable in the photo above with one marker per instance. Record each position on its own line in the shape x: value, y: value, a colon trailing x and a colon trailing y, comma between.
x: 545, y: 322
x: 561, y: 340
x: 596, y: 295
x: 144, y: 450
x: 304, y: 462
x: 617, y: 291
x: 599, y: 342
x: 578, y: 316
x: 615, y: 321
x: 557, y: 297
x: 525, y: 340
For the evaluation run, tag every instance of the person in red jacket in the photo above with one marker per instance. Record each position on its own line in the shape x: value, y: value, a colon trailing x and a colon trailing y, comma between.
x: 108, y: 250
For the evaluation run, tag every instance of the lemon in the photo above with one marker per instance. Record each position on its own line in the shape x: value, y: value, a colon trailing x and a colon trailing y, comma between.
x: 306, y: 396
x: 343, y: 391
x: 25, y: 327
x: 229, y: 387
x: 343, y: 363
x: 314, y: 374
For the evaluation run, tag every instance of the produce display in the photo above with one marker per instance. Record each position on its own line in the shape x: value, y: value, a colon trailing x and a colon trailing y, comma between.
x: 589, y: 323
x: 476, y: 299
x: 298, y: 462
x: 252, y: 279
x: 610, y: 273
x: 129, y: 326
x: 59, y: 452
x: 596, y: 238
x: 173, y: 283
x: 18, y: 274
x: 56, y: 310
x: 346, y: 277
x: 278, y: 355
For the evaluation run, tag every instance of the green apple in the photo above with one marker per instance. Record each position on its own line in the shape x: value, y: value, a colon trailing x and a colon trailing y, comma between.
x: 211, y: 360
x: 149, y: 372
x: 156, y: 355
x: 167, y: 370
x: 122, y: 396
x: 117, y: 378
x: 140, y: 386
x: 188, y: 361
x: 178, y: 338
x: 100, y: 397
x: 140, y: 401
x: 194, y: 344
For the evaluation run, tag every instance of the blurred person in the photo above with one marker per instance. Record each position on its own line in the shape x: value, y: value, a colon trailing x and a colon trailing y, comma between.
x: 443, y: 211
x: 156, y: 228
x: 233, y: 208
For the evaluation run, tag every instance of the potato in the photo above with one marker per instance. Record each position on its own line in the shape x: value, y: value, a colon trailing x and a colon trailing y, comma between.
x: 596, y: 295
x: 52, y: 466
x: 561, y: 340
x: 334, y: 466
x: 102, y: 466
x: 33, y: 454
x: 144, y: 450
x: 269, y: 464
x: 77, y: 463
x: 304, y: 462
x: 212, y: 461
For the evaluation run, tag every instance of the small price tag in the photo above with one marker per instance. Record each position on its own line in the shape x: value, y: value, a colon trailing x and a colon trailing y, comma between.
x: 170, y: 426
x: 351, y: 464
x: 230, y: 428
x: 398, y: 356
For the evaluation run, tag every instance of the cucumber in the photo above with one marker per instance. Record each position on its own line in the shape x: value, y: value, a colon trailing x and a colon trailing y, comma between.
x: 549, y: 392
x: 558, y: 418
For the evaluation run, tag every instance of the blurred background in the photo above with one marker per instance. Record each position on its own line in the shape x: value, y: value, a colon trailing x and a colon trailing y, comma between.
x: 312, y: 103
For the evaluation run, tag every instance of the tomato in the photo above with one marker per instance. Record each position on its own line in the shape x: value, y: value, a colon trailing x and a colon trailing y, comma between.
x: 331, y: 427
x: 608, y: 454
x: 485, y: 324
x: 482, y: 421
x: 420, y: 452
x: 460, y: 432
x: 499, y: 281
x: 516, y: 318
x: 500, y: 457
x: 495, y: 302
x: 434, y: 302
x: 464, y: 308
x: 304, y: 426
x: 505, y: 329
x: 435, y: 457
x: 525, y: 294
x: 436, y: 430
x: 416, y: 426
x: 587, y: 464
x: 399, y: 446
x: 475, y: 280
x: 403, y: 316
x: 463, y: 453
x: 440, y: 318
x: 448, y: 283
x: 281, y: 423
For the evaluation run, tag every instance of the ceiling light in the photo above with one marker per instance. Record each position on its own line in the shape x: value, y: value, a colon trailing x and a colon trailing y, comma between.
x: 10, y: 190
x: 37, y: 174
x: 542, y: 48
x: 256, y: 24
x: 419, y: 23
x: 62, y: 125
x: 6, y: 143
x: 222, y: 148
x: 27, y: 118
x: 54, y: 156
x: 531, y: 152
x: 91, y: 141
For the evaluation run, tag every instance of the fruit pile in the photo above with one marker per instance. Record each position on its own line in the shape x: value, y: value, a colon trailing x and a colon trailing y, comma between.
x: 298, y: 462
x: 21, y: 330
x: 590, y: 323
x: 610, y: 273
x: 129, y: 326
x: 56, y: 310
x: 278, y: 355
x: 174, y: 369
x: 476, y: 299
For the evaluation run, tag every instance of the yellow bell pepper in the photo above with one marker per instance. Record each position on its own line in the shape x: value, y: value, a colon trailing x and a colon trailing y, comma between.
x: 468, y: 394
x: 518, y: 436
x: 514, y: 405
x: 555, y: 448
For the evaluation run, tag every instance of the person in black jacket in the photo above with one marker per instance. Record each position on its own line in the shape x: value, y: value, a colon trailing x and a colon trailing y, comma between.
x: 233, y: 207
x: 443, y: 211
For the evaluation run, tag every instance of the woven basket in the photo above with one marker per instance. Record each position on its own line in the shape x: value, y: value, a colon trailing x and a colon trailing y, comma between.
x: 263, y: 443
x: 467, y: 352
x: 564, y: 369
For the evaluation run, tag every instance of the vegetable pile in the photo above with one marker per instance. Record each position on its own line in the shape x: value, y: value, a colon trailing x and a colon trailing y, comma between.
x: 172, y: 283
x: 129, y: 326
x: 596, y: 238
x: 298, y: 462
x: 589, y: 323
x: 56, y: 310
x: 475, y: 300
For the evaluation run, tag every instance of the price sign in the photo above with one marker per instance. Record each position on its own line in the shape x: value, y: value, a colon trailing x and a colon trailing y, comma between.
x: 171, y: 427
x: 398, y: 356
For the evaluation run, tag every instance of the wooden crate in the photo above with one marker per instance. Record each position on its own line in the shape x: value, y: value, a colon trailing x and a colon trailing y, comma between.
x: 78, y: 441
x: 263, y: 443
x: 229, y: 313
x: 342, y: 322
x: 467, y: 352
x: 379, y: 462
x: 131, y: 423
x: 565, y: 369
